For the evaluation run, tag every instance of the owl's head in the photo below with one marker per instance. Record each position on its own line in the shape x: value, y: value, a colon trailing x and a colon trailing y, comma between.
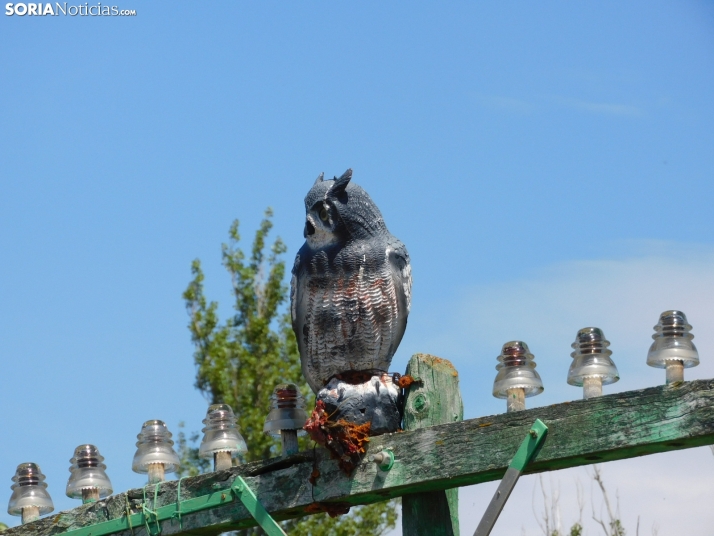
x: 337, y: 210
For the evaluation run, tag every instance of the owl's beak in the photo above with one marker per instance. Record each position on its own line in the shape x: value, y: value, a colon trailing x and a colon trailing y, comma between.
x: 309, y: 229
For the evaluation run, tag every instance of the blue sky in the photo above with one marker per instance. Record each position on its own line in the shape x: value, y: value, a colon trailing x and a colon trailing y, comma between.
x: 548, y: 166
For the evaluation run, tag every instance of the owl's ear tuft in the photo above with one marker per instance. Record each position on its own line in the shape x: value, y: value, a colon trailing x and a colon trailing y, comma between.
x: 341, y: 183
x: 319, y: 179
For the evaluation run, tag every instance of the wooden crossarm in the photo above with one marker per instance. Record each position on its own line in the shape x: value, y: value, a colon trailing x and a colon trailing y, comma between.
x: 613, y: 427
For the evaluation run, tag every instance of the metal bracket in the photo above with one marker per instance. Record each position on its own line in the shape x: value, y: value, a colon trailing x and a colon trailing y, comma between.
x: 252, y: 504
x: 239, y: 490
x: 525, y: 453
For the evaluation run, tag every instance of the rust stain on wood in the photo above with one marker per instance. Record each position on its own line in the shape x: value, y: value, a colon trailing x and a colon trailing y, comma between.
x: 332, y: 509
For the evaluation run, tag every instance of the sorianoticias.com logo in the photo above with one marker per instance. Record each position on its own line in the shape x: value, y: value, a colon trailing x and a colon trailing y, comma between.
x: 83, y: 10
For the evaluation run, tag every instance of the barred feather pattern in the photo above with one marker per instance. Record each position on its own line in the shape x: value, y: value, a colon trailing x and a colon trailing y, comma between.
x: 349, y: 306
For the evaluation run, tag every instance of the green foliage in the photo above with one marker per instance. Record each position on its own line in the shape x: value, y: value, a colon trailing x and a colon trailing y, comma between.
x: 616, y: 528
x: 364, y: 520
x: 575, y: 530
x: 191, y: 463
x: 3, y: 527
x: 240, y: 361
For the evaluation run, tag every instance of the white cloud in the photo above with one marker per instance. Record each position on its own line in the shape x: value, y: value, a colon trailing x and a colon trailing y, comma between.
x: 607, y: 108
x: 623, y: 297
x: 537, y: 103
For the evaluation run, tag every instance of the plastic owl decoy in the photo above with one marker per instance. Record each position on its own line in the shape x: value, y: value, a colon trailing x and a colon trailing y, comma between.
x: 351, y: 286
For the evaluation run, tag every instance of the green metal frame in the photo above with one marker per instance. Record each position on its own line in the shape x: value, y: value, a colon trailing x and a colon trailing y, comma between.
x: 526, y: 452
x: 251, y: 502
x: 152, y: 519
x: 530, y: 446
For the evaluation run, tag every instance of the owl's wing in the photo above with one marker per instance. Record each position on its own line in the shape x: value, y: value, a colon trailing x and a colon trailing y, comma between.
x: 298, y: 313
x: 401, y: 269
x: 295, y: 293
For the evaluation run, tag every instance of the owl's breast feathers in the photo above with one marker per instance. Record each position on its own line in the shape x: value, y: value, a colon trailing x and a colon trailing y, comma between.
x: 349, y: 306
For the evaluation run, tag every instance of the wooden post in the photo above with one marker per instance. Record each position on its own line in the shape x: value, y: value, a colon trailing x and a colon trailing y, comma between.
x: 30, y: 514
x: 435, y: 399
x: 157, y: 473
x: 675, y: 371
x: 515, y: 399
x: 222, y: 460
x: 289, y: 441
x: 592, y: 387
x: 90, y: 495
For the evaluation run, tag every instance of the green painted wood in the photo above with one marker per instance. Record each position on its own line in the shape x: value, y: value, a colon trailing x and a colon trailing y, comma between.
x: 582, y: 432
x: 435, y: 399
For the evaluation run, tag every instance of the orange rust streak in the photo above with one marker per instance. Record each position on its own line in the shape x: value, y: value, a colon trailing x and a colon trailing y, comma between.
x: 405, y: 381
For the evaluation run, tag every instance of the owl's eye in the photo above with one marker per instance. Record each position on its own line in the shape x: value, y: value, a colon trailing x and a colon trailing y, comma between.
x: 323, y: 214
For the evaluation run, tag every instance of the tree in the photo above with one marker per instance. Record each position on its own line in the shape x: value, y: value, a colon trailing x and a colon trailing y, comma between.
x: 610, y: 524
x: 550, y: 519
x: 240, y: 361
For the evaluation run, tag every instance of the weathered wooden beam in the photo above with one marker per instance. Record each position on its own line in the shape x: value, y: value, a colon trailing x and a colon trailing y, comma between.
x: 434, y: 399
x: 582, y: 432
